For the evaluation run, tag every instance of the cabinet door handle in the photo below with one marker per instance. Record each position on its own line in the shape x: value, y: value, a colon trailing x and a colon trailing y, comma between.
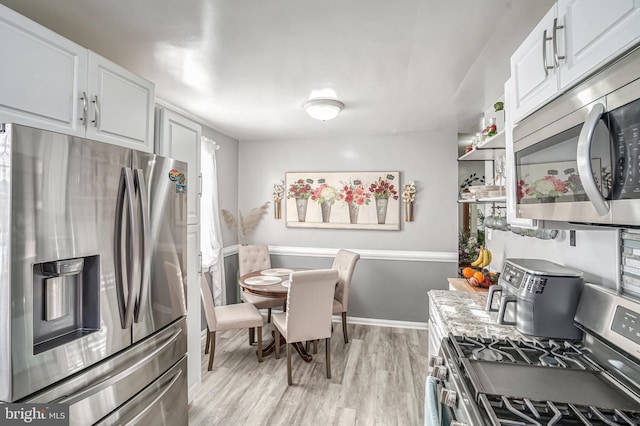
x: 200, y: 183
x: 544, y: 54
x: 96, y: 113
x: 200, y: 263
x: 556, y: 57
x: 85, y: 108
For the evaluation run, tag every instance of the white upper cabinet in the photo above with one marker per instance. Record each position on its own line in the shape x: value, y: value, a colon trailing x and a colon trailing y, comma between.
x: 594, y: 32
x: 121, y: 105
x: 179, y: 138
x: 41, y: 77
x: 532, y: 69
x: 573, y: 40
x: 49, y: 82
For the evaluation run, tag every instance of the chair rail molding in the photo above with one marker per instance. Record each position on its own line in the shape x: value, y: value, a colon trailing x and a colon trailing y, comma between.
x: 367, y: 254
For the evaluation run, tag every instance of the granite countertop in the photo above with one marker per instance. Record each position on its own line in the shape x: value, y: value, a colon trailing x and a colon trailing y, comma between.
x: 464, y: 313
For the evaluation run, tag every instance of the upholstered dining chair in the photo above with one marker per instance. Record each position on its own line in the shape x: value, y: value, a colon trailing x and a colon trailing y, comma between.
x: 344, y: 263
x: 308, y: 314
x: 228, y: 317
x: 254, y: 258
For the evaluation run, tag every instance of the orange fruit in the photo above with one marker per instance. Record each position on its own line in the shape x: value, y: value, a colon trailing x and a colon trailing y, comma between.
x: 468, y: 272
x: 478, y: 276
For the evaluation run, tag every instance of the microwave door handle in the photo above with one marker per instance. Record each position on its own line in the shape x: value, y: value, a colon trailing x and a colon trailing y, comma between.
x: 583, y: 155
x: 144, y: 211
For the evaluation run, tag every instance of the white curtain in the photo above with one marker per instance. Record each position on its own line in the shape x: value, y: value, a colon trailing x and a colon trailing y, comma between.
x: 210, y: 231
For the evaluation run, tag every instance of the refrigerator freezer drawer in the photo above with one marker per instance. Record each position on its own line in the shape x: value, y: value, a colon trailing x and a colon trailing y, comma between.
x: 163, y: 402
x: 100, y: 390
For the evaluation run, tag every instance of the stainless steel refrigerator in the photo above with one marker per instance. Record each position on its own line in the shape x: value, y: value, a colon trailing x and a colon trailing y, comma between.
x: 92, y: 278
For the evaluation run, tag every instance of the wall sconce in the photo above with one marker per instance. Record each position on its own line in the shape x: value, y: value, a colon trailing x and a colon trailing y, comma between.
x: 409, y: 196
x: 278, y: 191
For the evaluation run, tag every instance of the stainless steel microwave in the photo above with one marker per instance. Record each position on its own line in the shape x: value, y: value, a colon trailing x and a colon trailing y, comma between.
x: 578, y: 158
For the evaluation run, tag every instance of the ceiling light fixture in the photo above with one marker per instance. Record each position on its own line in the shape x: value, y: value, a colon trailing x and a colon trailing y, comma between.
x: 323, y: 109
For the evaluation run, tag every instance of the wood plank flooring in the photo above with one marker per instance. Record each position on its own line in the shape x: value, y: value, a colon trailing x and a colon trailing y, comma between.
x: 376, y: 379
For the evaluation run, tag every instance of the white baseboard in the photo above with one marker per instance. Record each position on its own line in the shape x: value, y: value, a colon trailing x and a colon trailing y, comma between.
x: 383, y: 322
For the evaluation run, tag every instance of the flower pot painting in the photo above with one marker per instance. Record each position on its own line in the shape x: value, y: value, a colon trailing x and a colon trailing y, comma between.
x: 343, y: 200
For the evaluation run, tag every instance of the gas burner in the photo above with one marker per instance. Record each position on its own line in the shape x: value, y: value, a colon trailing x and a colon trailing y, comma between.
x: 518, y: 411
x: 548, y: 353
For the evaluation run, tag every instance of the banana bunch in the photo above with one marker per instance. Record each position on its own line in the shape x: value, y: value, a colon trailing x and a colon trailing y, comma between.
x: 483, y: 260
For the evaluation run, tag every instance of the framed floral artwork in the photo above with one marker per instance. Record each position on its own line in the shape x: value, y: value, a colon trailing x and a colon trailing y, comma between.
x: 343, y: 200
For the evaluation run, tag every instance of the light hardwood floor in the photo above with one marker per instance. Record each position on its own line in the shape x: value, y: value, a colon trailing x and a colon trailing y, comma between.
x: 376, y: 379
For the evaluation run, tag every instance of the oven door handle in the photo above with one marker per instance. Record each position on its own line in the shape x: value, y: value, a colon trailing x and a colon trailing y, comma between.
x: 583, y: 156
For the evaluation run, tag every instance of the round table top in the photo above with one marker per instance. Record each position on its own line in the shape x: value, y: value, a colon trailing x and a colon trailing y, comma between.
x: 274, y: 290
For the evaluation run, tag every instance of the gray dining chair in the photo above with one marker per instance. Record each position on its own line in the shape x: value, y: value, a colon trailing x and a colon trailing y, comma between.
x: 228, y: 317
x: 344, y: 262
x: 309, y: 312
x: 252, y: 258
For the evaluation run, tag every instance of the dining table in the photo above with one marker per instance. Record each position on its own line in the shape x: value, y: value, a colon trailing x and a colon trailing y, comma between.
x: 273, y: 282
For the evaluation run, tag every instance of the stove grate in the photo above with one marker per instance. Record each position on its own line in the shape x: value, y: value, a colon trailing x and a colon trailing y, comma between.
x: 517, y: 411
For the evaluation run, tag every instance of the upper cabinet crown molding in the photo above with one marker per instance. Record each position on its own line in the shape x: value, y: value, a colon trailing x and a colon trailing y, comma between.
x: 52, y: 83
x: 573, y: 40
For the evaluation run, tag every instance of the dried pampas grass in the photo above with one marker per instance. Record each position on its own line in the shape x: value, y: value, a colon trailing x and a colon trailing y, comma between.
x: 246, y: 225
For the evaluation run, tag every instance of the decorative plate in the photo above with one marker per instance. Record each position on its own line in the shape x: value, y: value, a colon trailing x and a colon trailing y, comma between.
x: 278, y: 272
x: 262, y: 280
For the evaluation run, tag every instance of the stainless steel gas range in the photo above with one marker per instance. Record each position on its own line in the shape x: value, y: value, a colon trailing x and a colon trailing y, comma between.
x: 529, y: 381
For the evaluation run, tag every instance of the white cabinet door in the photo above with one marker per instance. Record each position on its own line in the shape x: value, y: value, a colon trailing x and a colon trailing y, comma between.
x: 42, y: 76
x: 193, y: 310
x: 532, y: 69
x: 594, y: 32
x: 121, y: 105
x: 179, y: 138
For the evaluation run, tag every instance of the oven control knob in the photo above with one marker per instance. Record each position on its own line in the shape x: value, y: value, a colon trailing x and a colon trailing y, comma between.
x: 448, y: 397
x: 435, y: 360
x: 440, y: 372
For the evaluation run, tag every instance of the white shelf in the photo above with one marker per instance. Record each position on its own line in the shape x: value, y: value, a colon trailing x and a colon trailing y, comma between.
x: 497, y: 141
x: 489, y: 149
x: 482, y: 154
x: 502, y: 199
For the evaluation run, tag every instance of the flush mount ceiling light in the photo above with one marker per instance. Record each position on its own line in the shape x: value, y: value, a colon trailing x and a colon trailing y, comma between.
x: 323, y: 109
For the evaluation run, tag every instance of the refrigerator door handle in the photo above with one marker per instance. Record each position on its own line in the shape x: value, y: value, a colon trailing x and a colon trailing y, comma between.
x: 111, y: 380
x: 125, y: 277
x: 141, y: 186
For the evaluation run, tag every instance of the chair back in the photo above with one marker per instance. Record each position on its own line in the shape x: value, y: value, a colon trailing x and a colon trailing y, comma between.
x: 344, y: 263
x: 253, y: 258
x: 310, y: 304
x: 208, y: 304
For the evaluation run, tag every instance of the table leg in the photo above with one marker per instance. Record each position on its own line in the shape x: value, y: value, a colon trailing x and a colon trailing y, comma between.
x: 299, y: 347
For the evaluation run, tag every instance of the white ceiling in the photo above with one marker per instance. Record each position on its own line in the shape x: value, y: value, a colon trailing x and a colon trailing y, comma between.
x: 246, y: 66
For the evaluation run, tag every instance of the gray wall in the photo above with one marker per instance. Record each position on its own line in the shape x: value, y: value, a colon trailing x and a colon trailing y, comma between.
x: 382, y: 289
x: 427, y: 159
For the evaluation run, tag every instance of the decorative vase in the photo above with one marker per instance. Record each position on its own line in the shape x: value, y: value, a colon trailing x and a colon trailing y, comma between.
x: 301, y: 207
x: 325, y: 207
x: 381, y: 209
x: 353, y: 212
x: 408, y: 212
x: 277, y: 209
x: 547, y: 199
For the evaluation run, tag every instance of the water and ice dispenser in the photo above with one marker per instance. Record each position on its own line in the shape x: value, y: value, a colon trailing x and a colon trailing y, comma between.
x: 66, y: 301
